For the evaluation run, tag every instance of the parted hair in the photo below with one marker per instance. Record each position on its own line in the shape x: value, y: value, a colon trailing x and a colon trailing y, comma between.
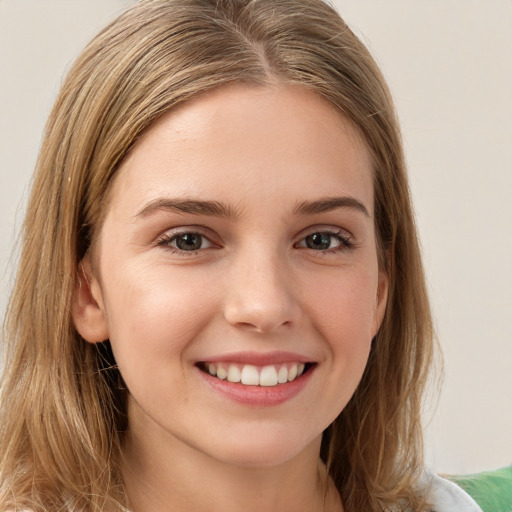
x: 63, y: 403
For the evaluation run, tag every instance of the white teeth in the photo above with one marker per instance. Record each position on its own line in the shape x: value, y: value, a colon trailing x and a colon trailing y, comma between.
x: 221, y: 373
x: 250, y: 375
x: 233, y: 373
x: 268, y: 376
x: 292, y: 372
x: 282, y: 375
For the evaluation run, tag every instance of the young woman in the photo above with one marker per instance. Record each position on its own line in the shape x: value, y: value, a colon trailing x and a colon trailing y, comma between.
x: 220, y: 302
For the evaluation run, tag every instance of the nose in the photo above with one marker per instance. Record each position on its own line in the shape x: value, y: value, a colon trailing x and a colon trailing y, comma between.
x: 260, y: 294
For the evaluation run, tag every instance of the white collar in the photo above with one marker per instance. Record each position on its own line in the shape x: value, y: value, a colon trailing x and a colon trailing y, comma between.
x: 446, y: 496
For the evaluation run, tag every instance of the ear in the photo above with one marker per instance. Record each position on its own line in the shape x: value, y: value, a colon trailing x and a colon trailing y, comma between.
x: 88, y: 309
x: 381, y: 301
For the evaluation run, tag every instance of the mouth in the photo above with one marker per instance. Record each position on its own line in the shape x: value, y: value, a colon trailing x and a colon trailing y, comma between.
x: 252, y: 375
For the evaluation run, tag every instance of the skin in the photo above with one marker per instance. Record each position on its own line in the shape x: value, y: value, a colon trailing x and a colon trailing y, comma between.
x: 253, y: 285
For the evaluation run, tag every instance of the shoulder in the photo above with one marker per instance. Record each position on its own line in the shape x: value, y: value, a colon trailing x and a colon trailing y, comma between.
x: 492, y: 490
x: 446, y: 496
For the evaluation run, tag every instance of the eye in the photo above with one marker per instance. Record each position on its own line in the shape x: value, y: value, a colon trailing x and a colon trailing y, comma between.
x: 185, y: 242
x: 326, y: 241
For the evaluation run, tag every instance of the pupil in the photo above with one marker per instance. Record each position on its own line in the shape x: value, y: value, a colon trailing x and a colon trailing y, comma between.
x: 189, y: 242
x: 319, y: 241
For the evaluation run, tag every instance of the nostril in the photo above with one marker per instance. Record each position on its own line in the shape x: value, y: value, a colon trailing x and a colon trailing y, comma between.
x: 261, y: 304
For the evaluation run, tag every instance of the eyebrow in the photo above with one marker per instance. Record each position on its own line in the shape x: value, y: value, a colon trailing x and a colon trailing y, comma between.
x: 328, y: 204
x: 193, y: 206
x: 218, y: 209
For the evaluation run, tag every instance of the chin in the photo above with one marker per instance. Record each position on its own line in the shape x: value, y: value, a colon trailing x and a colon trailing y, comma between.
x: 260, y: 452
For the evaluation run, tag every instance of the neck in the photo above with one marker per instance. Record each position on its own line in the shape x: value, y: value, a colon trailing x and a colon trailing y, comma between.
x: 165, y: 474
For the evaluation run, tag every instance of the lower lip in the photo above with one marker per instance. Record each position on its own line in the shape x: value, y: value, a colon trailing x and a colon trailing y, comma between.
x: 258, y: 396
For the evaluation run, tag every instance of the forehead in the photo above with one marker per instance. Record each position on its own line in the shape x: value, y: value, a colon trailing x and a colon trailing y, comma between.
x: 249, y: 146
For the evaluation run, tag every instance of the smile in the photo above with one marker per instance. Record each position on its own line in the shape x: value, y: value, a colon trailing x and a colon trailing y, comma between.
x: 251, y: 375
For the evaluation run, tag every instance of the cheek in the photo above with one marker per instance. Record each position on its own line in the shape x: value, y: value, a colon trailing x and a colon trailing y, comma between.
x: 343, y: 311
x: 154, y: 312
x: 344, y: 306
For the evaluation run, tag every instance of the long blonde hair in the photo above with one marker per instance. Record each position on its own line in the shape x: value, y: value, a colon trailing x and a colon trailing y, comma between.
x: 62, y: 413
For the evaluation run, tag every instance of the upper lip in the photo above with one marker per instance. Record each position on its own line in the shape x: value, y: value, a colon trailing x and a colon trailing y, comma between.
x: 259, y: 358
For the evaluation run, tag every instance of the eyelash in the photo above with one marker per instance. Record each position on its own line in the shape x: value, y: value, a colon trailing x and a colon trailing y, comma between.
x: 343, y: 237
x: 165, y: 240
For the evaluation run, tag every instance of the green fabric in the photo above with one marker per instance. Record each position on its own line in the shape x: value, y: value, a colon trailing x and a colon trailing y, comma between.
x: 492, y: 490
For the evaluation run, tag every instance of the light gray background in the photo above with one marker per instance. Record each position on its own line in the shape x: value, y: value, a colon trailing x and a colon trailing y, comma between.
x: 449, y: 67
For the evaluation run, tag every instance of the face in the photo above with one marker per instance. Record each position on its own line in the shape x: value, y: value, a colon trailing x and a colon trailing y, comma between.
x: 236, y: 274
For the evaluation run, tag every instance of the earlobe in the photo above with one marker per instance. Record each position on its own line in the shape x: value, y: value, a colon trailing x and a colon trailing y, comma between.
x: 381, y: 301
x: 88, y: 309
